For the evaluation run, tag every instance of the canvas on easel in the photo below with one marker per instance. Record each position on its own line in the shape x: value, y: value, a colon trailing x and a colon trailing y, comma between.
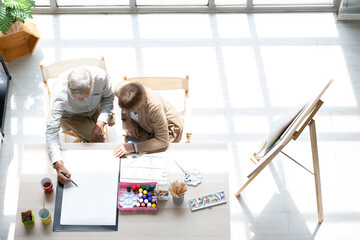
x: 292, y: 131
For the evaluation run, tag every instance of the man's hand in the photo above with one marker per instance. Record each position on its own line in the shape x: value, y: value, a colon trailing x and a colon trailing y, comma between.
x: 123, y: 149
x: 61, y: 178
x: 131, y: 129
x: 98, y: 131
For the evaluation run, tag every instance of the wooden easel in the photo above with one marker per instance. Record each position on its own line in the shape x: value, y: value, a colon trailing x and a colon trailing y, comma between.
x: 263, y: 163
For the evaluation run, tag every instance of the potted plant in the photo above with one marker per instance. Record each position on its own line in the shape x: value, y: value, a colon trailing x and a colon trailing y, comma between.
x: 27, y: 218
x: 18, y: 37
x: 14, y: 10
x: 178, y: 190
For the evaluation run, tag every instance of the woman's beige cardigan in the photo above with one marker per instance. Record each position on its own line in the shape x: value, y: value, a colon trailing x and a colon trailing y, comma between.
x: 159, y: 123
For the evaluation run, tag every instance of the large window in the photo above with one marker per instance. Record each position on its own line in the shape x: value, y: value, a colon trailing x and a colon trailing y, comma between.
x: 42, y: 3
x: 293, y: 2
x: 171, y: 2
x: 84, y: 3
x: 230, y: 2
x: 184, y: 5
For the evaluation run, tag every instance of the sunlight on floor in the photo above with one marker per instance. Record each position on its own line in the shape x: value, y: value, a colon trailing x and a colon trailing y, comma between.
x: 307, y: 25
x: 11, y: 232
x: 224, y: 21
x: 28, y: 124
x: 71, y: 25
x: 12, y: 185
x: 334, y: 65
x: 14, y: 126
x: 171, y: 26
x: 250, y: 124
x: 242, y: 77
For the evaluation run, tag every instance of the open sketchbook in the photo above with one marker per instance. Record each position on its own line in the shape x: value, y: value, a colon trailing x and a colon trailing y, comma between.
x: 279, y: 129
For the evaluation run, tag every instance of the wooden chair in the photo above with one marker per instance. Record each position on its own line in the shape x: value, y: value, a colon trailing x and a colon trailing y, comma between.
x: 169, y: 85
x: 52, y: 71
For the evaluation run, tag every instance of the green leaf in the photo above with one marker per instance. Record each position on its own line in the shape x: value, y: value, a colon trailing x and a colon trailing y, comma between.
x: 11, y: 10
x: 2, y: 11
x: 17, y: 4
x: 5, y: 19
x: 31, y: 3
x: 19, y: 15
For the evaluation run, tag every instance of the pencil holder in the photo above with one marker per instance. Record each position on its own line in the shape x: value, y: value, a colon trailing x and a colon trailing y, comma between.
x: 27, y: 218
x: 178, y: 200
x: 178, y: 190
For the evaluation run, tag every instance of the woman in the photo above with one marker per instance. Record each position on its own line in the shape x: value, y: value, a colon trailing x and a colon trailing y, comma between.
x: 150, y: 121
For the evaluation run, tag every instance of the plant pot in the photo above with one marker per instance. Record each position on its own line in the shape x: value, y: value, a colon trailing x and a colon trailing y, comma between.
x: 20, y: 40
x: 178, y: 200
x: 27, y: 218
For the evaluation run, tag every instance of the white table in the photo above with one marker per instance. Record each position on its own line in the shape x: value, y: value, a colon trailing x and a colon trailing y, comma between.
x: 170, y: 221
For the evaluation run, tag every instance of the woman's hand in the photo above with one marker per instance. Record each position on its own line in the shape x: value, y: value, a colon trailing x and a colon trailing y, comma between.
x: 124, y: 149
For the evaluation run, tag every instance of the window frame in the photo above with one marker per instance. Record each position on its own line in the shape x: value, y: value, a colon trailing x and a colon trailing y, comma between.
x: 210, y: 8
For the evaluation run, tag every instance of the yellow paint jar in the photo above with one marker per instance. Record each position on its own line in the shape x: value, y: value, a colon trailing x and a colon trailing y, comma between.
x: 45, y: 216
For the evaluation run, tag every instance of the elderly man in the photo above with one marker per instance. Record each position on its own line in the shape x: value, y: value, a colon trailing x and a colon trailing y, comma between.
x: 82, y: 101
x: 151, y: 122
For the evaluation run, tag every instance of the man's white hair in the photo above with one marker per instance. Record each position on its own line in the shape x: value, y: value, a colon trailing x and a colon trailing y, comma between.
x: 80, y: 80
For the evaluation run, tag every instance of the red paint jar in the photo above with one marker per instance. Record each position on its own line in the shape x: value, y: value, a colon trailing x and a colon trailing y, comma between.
x: 47, y: 185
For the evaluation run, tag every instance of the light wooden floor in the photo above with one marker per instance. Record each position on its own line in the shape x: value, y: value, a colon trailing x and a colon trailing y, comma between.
x: 245, y: 71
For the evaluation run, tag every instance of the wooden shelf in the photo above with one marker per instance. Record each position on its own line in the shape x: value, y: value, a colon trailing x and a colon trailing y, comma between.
x: 19, y: 41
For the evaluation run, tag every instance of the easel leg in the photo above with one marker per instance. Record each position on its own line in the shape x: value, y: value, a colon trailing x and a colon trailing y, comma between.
x: 256, y: 172
x: 253, y: 176
x: 315, y: 156
x: 247, y: 183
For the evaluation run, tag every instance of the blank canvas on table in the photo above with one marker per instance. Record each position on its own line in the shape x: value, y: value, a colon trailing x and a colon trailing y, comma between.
x: 94, y: 201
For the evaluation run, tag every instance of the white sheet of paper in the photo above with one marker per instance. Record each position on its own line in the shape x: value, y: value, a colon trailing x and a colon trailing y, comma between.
x: 94, y: 202
x: 144, y: 168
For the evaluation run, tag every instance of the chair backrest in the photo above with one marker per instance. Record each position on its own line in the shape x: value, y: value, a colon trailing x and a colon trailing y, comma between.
x: 55, y: 69
x: 162, y: 83
x: 52, y: 71
x: 165, y: 85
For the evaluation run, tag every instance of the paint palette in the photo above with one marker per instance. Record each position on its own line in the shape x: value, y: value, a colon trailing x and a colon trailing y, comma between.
x: 193, y: 177
x: 207, y: 201
x: 131, y: 196
x: 128, y: 200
